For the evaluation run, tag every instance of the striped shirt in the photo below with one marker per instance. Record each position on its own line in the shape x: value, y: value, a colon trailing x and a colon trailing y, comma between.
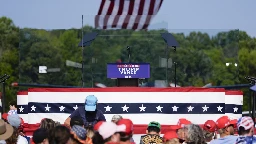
x: 12, y: 112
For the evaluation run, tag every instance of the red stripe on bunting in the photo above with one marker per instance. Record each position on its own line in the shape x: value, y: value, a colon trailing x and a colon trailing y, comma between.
x: 22, y: 93
x: 126, y: 89
x: 239, y: 93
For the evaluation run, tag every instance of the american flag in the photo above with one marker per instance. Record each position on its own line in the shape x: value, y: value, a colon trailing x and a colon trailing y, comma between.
x: 142, y: 105
x: 126, y: 14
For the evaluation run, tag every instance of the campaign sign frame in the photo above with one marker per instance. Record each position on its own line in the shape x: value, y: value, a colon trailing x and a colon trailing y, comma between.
x: 128, y: 70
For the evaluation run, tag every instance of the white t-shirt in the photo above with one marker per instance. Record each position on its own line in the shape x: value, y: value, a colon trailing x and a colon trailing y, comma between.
x: 22, y: 140
x: 2, y: 142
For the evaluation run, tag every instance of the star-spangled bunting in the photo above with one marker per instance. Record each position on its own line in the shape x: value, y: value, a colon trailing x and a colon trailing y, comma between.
x: 135, y: 108
x: 21, y: 109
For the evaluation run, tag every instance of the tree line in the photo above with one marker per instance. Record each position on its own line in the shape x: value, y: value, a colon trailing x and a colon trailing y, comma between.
x: 222, y: 59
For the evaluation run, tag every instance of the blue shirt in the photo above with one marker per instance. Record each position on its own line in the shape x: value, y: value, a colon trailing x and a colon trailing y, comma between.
x: 87, y: 119
x: 246, y: 140
x: 225, y: 140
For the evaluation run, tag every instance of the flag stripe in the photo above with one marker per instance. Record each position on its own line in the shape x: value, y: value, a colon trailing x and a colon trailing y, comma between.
x: 97, y: 17
x: 101, y: 7
x: 127, y: 18
x: 151, y: 7
x: 120, y: 11
x: 150, y: 14
x: 109, y: 13
x: 161, y: 1
x: 138, y: 17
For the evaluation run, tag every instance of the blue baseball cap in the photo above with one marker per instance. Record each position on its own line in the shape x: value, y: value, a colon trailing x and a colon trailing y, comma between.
x: 90, y: 103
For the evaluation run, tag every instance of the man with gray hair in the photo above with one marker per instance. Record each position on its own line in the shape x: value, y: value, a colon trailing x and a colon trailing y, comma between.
x: 193, y: 134
x: 116, y: 118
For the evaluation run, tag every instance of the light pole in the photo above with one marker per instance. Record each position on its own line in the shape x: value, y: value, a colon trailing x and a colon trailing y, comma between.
x: 87, y: 39
x: 170, y: 42
x: 2, y: 80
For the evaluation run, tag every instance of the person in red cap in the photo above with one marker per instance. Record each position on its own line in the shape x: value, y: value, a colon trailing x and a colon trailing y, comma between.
x: 171, y: 137
x: 107, y: 133
x: 4, y: 116
x: 234, y: 121
x: 209, y: 129
x: 225, y: 128
x: 126, y: 132
x: 179, y: 128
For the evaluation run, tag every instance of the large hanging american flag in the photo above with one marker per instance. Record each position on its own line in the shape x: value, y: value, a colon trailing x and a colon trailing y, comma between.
x: 126, y: 14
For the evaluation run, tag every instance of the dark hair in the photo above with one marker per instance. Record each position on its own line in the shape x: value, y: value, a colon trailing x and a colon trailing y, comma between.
x: 61, y: 134
x: 75, y: 140
x: 14, y: 138
x: 39, y: 135
x: 153, y: 129
x: 124, y: 137
x: 13, y: 103
x: 76, y: 121
x: 242, y: 131
x: 98, y: 139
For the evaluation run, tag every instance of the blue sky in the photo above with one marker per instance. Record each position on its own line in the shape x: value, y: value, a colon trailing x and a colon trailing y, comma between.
x: 178, y: 15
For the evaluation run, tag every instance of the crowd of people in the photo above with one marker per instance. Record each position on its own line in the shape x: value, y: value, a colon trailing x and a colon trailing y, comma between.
x: 87, y: 125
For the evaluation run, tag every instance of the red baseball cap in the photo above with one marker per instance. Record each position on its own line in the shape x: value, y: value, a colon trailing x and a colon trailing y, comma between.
x: 4, y: 116
x: 210, y: 126
x: 234, y: 123
x: 170, y: 135
x: 223, y: 122
x: 128, y: 125
x: 97, y: 125
x: 181, y: 123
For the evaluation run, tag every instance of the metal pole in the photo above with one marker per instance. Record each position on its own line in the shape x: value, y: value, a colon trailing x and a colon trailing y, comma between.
x: 129, y: 54
x: 254, y: 95
x: 253, y: 106
x: 3, y: 98
x: 250, y: 103
x: 175, y: 76
x: 166, y: 69
x: 83, y: 84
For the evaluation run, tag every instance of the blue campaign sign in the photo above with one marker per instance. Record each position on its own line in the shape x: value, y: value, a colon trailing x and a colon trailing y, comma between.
x: 128, y: 70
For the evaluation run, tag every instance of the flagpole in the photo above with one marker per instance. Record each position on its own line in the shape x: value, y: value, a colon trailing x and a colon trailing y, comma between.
x: 83, y: 51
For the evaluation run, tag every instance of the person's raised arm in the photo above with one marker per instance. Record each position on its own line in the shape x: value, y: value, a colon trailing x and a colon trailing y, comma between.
x: 101, y: 116
x: 74, y: 114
